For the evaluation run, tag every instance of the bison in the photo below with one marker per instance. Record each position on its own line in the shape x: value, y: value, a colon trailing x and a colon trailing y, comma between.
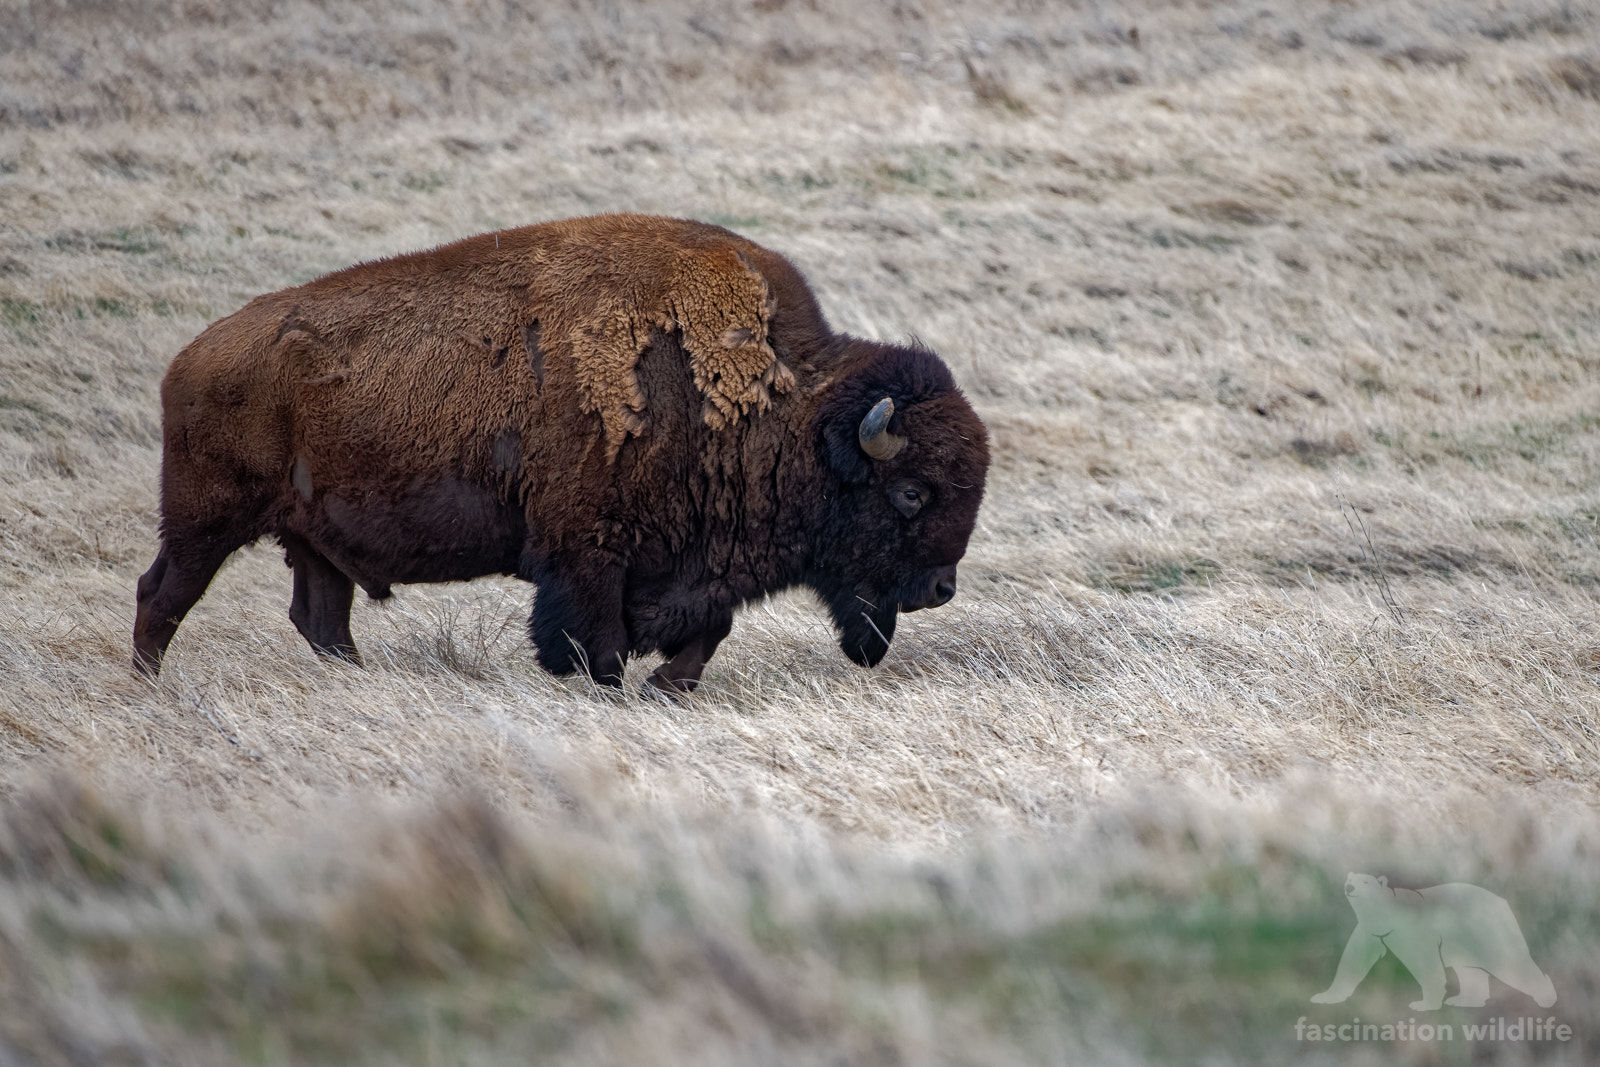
x: 647, y: 418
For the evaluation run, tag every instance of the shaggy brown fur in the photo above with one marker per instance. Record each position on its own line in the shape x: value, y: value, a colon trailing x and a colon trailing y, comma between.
x: 648, y: 417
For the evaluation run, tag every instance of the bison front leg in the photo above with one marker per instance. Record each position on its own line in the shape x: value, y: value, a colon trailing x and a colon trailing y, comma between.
x: 577, y: 621
x: 681, y: 672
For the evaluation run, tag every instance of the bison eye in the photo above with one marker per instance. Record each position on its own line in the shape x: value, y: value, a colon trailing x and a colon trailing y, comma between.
x: 908, y: 497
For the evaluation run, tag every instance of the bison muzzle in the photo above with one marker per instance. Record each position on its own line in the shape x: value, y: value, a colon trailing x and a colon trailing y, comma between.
x: 648, y: 418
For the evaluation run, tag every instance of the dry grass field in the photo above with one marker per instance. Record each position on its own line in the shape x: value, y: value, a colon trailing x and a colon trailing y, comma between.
x: 1285, y: 321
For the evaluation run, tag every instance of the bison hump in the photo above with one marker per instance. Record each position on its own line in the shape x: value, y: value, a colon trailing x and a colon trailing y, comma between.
x: 305, y: 353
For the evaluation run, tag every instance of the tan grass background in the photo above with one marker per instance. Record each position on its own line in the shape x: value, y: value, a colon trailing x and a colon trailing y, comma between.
x: 1284, y: 322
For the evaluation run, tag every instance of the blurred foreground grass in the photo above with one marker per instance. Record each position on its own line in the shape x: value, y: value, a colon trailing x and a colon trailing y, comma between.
x: 1156, y: 935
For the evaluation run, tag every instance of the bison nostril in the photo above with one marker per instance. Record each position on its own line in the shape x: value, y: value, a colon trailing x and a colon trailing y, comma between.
x: 943, y: 592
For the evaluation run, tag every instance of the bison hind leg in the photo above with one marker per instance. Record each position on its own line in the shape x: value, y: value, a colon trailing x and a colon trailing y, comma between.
x: 174, y: 583
x: 320, y: 609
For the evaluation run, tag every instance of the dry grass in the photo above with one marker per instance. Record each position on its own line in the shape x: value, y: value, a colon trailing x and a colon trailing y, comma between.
x: 1285, y: 327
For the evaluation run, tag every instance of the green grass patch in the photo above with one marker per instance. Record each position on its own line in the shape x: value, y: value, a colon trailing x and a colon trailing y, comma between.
x: 28, y: 418
x: 116, y: 309
x: 1156, y: 576
x: 1162, y: 237
x: 935, y: 171
x: 1488, y: 447
x: 1533, y: 441
x: 423, y: 183
x: 20, y: 315
x: 125, y: 239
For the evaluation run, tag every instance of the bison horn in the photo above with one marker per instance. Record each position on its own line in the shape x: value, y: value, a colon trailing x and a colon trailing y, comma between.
x: 876, y: 440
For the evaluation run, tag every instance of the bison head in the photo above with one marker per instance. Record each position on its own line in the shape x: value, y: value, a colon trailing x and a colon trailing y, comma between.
x: 907, y: 457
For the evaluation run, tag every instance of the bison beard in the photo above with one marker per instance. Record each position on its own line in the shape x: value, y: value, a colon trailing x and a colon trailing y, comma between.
x: 868, y: 642
x: 866, y: 619
x: 681, y: 433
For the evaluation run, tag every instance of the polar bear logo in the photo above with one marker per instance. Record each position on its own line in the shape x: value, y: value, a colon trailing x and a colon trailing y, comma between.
x: 1456, y: 925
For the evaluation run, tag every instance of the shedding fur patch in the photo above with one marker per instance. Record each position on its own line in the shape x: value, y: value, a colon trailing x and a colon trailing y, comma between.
x: 724, y: 312
x: 719, y: 304
x: 608, y: 349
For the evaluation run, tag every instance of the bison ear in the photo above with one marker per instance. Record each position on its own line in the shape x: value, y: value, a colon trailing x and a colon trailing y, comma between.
x: 851, y: 444
x: 842, y: 451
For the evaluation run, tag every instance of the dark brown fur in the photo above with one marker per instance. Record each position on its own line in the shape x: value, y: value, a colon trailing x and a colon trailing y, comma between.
x: 647, y: 417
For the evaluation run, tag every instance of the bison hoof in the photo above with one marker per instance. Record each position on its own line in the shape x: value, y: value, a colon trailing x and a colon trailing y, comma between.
x: 346, y: 653
x: 657, y: 685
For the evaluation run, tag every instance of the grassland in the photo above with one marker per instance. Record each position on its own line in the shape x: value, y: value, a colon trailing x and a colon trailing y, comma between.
x: 1285, y: 324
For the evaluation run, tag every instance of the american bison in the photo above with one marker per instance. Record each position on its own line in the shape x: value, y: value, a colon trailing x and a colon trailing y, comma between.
x: 648, y: 418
